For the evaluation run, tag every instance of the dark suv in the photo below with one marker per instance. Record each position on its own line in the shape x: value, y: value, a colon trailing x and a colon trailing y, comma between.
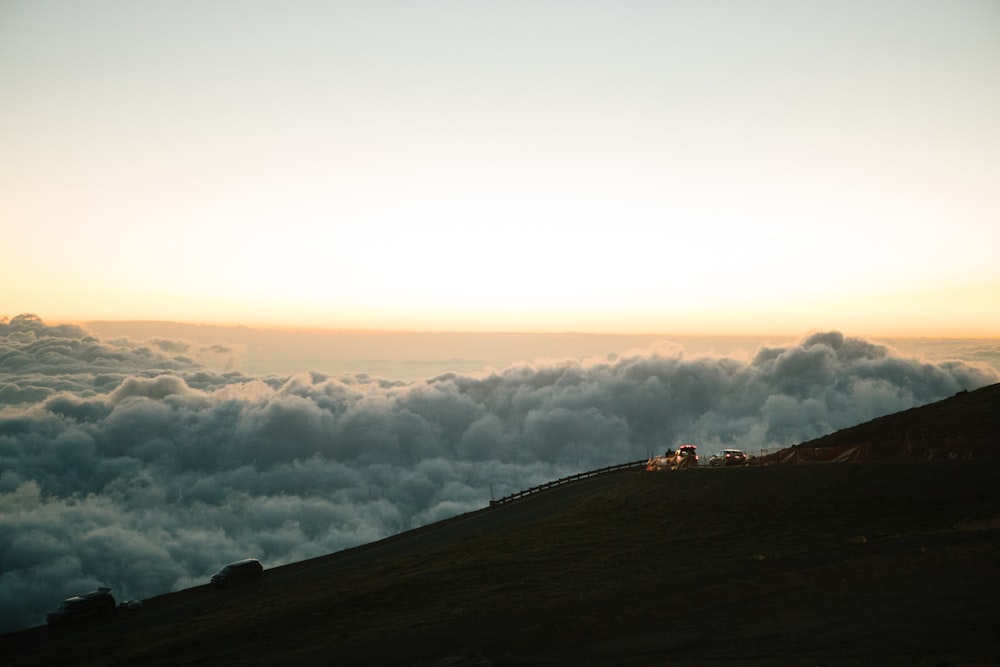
x: 728, y: 457
x: 82, y: 606
x: 248, y: 569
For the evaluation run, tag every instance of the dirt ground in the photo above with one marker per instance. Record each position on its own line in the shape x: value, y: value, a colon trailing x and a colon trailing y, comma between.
x: 839, y: 564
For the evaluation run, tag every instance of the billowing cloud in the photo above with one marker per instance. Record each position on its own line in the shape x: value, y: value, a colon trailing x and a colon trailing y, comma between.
x: 137, y: 466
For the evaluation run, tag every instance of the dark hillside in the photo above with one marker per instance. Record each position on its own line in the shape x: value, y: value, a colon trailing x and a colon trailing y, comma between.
x: 850, y: 564
x: 966, y: 425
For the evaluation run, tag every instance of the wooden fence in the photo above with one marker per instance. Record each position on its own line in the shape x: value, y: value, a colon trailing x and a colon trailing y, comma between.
x: 638, y: 465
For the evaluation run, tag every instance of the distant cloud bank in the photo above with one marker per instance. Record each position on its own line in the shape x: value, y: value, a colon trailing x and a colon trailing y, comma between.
x: 141, y: 466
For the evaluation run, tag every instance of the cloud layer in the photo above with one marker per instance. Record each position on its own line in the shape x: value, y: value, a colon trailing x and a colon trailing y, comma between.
x: 141, y: 466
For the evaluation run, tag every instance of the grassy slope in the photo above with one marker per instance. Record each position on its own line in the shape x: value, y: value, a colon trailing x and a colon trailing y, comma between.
x: 969, y: 421
x: 744, y: 566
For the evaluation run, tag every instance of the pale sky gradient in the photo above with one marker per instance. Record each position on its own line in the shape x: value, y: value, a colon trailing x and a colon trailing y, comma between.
x: 620, y: 166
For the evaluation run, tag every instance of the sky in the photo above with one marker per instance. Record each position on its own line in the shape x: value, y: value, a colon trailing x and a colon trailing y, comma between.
x: 709, y: 167
x: 146, y: 462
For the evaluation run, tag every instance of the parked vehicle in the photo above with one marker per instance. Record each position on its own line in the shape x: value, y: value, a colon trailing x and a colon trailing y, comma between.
x: 82, y: 606
x: 242, y: 571
x: 685, y: 456
x: 728, y: 457
x: 656, y: 463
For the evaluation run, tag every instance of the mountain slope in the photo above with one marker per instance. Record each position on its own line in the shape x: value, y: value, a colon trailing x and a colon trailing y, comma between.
x: 877, y: 563
x: 964, y: 425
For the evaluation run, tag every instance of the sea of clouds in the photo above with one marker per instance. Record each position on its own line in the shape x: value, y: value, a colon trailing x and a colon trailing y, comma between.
x: 144, y: 466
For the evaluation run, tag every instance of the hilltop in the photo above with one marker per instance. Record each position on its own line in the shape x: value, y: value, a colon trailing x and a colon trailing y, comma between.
x: 883, y: 562
x: 966, y: 425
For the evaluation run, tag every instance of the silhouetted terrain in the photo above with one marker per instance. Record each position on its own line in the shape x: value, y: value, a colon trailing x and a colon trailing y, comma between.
x: 967, y: 425
x: 884, y: 562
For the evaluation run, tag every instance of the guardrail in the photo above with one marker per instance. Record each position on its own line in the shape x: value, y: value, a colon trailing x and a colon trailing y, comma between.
x: 567, y: 480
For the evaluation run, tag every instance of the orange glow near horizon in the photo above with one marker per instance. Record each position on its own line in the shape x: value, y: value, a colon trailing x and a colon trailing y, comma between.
x: 900, y: 318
